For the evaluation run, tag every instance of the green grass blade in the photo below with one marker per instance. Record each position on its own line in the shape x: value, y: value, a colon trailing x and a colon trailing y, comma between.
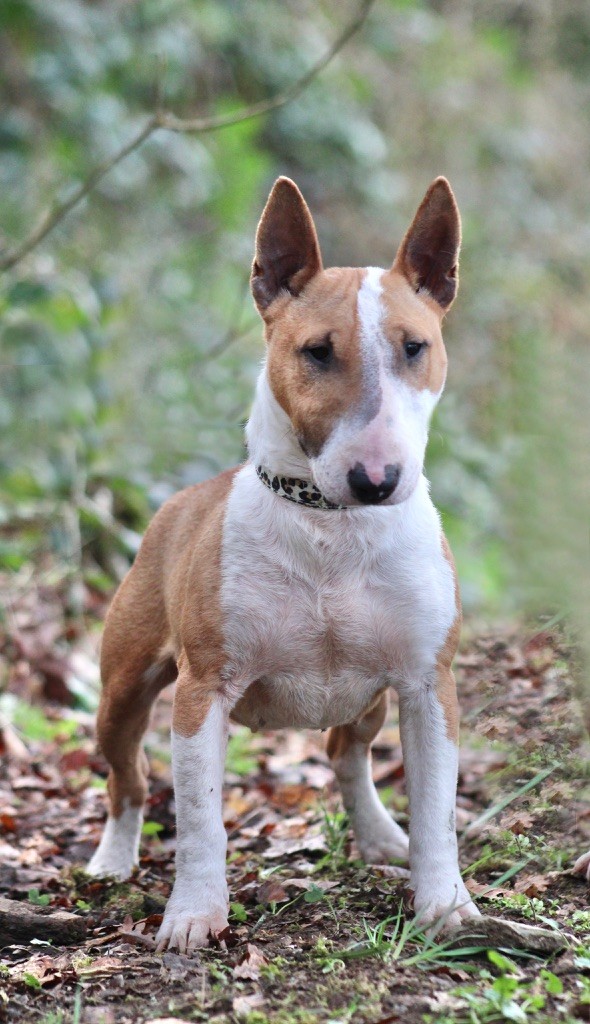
x: 507, y: 874
x: 492, y: 811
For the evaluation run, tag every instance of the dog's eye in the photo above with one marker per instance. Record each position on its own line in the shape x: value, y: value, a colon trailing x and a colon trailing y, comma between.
x: 320, y: 354
x: 413, y: 348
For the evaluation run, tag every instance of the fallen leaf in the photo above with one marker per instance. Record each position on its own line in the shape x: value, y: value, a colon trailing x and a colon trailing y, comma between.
x: 73, y: 760
x: 495, y: 727
x: 519, y: 822
x: 307, y: 883
x: 485, y: 889
x: 250, y: 964
x: 531, y: 885
x: 102, y: 965
x: 271, y: 892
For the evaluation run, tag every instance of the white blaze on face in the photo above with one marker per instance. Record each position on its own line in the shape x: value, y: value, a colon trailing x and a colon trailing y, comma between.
x: 397, y: 432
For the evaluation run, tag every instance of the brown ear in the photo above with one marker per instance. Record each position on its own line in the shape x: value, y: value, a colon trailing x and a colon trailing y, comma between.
x: 287, y: 252
x: 429, y: 254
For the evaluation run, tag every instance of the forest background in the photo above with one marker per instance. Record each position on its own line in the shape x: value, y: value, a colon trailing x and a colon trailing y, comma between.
x: 129, y: 350
x: 129, y: 346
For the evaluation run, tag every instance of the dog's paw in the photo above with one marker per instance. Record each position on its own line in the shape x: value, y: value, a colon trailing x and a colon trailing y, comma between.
x: 384, y: 845
x: 186, y: 930
x: 378, y: 837
x: 118, y: 850
x: 448, y: 903
x: 107, y: 866
x: 582, y: 865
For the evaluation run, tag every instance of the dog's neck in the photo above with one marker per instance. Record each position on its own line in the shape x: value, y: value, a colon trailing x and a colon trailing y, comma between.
x: 271, y: 440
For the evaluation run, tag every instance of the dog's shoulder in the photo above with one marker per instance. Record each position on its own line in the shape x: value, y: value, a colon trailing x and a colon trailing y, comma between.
x: 182, y: 541
x: 187, y: 514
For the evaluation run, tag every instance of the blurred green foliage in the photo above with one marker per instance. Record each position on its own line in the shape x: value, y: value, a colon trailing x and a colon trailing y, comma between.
x: 129, y: 346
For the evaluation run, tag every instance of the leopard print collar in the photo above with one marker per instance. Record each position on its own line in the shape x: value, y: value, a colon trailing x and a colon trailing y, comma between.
x: 294, y: 489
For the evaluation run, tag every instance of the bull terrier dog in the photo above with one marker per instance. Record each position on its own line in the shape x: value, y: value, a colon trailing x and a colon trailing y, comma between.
x: 295, y: 590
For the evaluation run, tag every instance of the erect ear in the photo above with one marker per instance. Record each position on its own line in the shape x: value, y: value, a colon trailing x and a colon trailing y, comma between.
x: 429, y: 254
x: 287, y: 252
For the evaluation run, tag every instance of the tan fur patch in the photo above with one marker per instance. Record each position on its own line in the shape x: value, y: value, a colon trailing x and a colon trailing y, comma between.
x: 446, y: 690
x: 193, y: 697
x: 314, y: 399
x: 409, y: 316
x: 168, y: 603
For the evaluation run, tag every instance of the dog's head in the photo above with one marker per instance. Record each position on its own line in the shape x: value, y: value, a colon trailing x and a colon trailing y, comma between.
x: 355, y: 356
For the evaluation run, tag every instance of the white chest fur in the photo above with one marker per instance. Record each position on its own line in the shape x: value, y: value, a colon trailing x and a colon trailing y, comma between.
x: 322, y: 609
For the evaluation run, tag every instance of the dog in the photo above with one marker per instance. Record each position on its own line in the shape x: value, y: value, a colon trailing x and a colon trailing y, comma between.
x: 297, y: 589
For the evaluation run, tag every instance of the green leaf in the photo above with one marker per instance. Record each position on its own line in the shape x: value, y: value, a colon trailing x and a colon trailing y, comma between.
x: 151, y: 828
x: 239, y: 759
x: 35, y: 726
x: 314, y: 895
x: 501, y: 962
x: 553, y: 984
x: 239, y: 911
x: 27, y: 292
x: 39, y: 899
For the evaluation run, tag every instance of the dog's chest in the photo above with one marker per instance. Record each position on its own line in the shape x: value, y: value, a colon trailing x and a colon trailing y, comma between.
x: 317, y: 621
x: 317, y: 659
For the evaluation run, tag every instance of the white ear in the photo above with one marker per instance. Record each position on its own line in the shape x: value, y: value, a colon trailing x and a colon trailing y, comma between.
x: 287, y: 252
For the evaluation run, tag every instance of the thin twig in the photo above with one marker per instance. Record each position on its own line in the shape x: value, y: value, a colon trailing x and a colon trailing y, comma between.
x: 161, y: 119
x: 57, y: 214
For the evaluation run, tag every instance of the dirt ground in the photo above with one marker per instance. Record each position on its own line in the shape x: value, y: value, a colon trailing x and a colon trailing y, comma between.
x: 316, y: 937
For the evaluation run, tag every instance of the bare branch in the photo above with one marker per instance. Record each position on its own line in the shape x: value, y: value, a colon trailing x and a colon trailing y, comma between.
x: 57, y: 214
x: 208, y: 124
x: 161, y: 119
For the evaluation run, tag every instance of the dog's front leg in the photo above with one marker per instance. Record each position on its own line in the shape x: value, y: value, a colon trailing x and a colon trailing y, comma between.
x: 198, y: 904
x: 429, y: 732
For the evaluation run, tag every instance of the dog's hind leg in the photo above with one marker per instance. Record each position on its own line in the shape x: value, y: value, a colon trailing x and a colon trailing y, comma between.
x: 134, y: 669
x: 379, y: 837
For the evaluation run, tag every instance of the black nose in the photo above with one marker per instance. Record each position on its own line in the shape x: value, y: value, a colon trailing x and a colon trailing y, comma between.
x: 368, y: 492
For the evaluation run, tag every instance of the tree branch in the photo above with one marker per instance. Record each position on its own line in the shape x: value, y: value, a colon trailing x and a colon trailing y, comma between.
x: 162, y: 119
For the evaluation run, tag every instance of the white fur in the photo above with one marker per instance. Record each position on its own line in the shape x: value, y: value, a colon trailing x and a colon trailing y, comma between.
x: 118, y: 851
x: 396, y: 435
x: 431, y: 763
x: 323, y: 609
x: 326, y: 608
x: 369, y: 307
x: 199, y: 901
x: 270, y: 436
x: 379, y: 838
